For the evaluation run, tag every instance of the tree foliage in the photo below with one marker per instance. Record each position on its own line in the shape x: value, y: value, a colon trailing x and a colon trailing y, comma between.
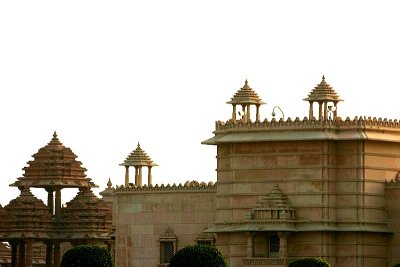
x: 309, y: 262
x: 198, y: 256
x: 88, y: 256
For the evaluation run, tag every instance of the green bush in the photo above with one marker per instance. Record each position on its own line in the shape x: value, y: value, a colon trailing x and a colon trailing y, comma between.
x: 88, y: 256
x: 396, y: 265
x: 198, y: 256
x: 309, y: 262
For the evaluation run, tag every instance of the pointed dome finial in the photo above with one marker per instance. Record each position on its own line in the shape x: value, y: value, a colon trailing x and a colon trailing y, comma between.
x: 109, y: 184
x: 55, y: 134
x: 245, y: 82
x: 138, y: 144
x: 323, y: 77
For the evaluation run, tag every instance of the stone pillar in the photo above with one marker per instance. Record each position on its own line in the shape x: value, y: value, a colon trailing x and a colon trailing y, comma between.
x: 29, y: 254
x: 149, y: 177
x: 136, y: 176
x: 244, y: 113
x: 140, y: 176
x: 234, y: 113
x: 249, y: 253
x: 49, y: 251
x: 335, y: 111
x: 325, y: 110
x: 58, y: 203
x: 257, y: 113
x: 50, y: 199
x: 311, y: 112
x: 14, y: 247
x: 56, y: 254
x: 320, y: 111
x: 22, y: 254
x: 248, y: 112
x: 283, y: 250
x: 126, y: 175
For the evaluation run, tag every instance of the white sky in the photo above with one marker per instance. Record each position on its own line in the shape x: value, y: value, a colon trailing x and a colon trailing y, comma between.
x: 107, y: 74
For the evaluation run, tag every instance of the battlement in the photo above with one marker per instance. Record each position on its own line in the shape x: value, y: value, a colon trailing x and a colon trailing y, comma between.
x: 357, y: 122
x: 187, y: 186
x: 359, y: 128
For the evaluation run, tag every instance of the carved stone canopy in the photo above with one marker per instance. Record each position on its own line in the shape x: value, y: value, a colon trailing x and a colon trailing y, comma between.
x: 246, y: 95
x: 54, y: 165
x: 86, y: 213
x: 138, y: 157
x: 323, y: 92
x: 274, y: 206
x: 26, y: 216
x: 168, y: 235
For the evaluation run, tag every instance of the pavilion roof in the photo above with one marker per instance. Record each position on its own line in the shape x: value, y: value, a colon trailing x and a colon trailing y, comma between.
x: 86, y: 215
x: 323, y: 91
x: 138, y: 157
x: 54, y: 165
x: 246, y: 95
x: 26, y: 216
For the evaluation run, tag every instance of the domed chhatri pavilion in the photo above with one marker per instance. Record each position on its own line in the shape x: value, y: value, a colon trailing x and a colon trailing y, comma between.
x: 321, y: 186
x: 27, y: 222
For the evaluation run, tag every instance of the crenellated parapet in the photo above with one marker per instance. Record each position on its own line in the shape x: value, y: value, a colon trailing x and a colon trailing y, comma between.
x: 394, y: 183
x: 359, y: 128
x: 187, y: 186
x: 361, y: 121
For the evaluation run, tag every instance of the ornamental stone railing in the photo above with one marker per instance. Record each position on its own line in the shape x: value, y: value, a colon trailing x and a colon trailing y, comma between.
x: 357, y: 122
x: 188, y: 186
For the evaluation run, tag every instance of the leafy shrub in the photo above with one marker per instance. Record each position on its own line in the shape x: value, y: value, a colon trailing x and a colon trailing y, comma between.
x: 88, y: 256
x: 309, y: 262
x: 198, y: 256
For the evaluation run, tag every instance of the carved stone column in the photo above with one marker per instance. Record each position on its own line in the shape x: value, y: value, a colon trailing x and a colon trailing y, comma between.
x: 126, y: 175
x: 136, y: 176
x: 49, y: 252
x: 29, y: 254
x: 234, y: 113
x: 335, y: 111
x: 14, y: 247
x: 140, y: 176
x: 325, y: 110
x: 50, y: 199
x: 21, y: 254
x: 149, y: 177
x: 248, y: 113
x: 249, y: 253
x: 257, y: 113
x: 58, y: 203
x: 56, y: 254
x: 283, y: 249
x: 320, y: 111
x: 311, y: 112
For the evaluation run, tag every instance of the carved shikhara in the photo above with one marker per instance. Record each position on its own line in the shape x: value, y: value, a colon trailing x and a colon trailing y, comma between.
x: 187, y: 186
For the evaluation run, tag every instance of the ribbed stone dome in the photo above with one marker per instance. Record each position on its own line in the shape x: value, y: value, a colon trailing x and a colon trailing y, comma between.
x: 54, y: 165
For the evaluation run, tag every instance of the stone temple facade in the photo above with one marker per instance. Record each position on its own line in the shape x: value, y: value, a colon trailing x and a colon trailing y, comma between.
x: 321, y: 186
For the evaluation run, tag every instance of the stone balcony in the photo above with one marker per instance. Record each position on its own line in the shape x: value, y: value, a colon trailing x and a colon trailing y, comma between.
x: 265, y: 262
